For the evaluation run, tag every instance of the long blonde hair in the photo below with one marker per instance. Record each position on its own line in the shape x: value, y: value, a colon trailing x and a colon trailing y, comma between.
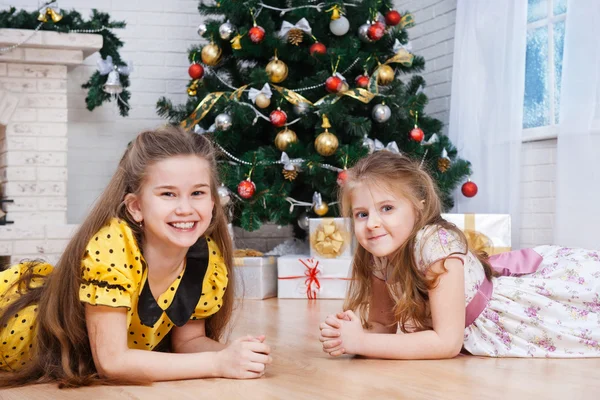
x: 406, y: 178
x: 62, y: 350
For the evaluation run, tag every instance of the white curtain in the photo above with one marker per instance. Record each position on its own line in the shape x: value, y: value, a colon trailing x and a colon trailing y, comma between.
x: 486, y: 109
x: 578, y: 151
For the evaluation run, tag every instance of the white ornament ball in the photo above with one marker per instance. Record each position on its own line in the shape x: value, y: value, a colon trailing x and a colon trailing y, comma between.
x: 301, y: 108
x: 223, y: 122
x: 362, y: 33
x: 381, y: 113
x: 201, y: 29
x: 303, y: 221
x: 340, y: 26
x: 223, y: 195
x: 226, y: 30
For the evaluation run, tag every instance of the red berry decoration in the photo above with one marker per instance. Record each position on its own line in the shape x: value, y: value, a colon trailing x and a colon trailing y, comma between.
x: 362, y: 81
x: 246, y: 189
x: 278, y: 118
x: 256, y: 34
x: 342, y: 176
x: 334, y: 84
x: 392, y: 18
x: 317, y: 48
x: 417, y: 134
x: 469, y: 189
x: 196, y: 71
x: 376, y: 31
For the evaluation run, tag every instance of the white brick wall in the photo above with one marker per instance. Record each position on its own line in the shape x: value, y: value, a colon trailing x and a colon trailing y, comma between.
x: 432, y: 37
x: 156, y: 39
x: 538, y: 176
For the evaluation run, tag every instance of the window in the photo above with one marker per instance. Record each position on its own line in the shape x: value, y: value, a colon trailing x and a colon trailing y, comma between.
x: 543, y: 66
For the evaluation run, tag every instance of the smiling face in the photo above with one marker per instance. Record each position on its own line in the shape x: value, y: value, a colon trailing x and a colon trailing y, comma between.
x: 175, y: 202
x: 383, y: 220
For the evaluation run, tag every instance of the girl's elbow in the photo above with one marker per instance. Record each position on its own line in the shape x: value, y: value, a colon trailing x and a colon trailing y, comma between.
x: 454, y: 349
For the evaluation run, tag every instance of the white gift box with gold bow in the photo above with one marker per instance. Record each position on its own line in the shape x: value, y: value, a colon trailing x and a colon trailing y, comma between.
x: 487, y: 232
x: 304, y: 277
x: 330, y: 238
x: 256, y: 277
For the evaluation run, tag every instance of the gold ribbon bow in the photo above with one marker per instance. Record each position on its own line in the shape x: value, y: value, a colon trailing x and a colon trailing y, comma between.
x: 330, y: 238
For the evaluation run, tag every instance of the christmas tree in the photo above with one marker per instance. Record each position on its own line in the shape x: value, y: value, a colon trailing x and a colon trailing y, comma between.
x: 294, y: 92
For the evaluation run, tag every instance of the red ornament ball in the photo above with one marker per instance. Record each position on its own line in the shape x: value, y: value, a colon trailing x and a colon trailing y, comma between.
x: 469, y: 189
x: 256, y: 34
x: 376, y: 31
x: 362, y: 81
x: 246, y: 189
x: 334, y: 84
x: 317, y: 48
x: 342, y: 176
x: 278, y: 118
x: 392, y: 18
x: 196, y: 71
x: 417, y: 134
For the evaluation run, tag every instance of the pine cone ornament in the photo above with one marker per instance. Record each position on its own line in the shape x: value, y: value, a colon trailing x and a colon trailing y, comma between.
x: 295, y: 36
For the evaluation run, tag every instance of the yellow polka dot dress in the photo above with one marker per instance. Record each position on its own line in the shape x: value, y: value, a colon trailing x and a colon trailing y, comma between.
x: 115, y: 274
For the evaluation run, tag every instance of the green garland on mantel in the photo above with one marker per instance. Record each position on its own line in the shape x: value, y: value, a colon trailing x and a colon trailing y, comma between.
x: 72, y: 21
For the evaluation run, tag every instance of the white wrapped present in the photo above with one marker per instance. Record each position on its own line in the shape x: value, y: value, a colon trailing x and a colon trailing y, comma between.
x: 256, y: 277
x: 487, y: 232
x: 304, y: 277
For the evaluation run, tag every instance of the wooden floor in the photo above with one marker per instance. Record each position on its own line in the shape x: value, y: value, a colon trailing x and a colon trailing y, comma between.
x: 300, y: 370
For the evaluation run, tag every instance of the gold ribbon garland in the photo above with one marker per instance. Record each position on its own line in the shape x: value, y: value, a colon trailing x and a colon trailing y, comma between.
x: 206, y: 105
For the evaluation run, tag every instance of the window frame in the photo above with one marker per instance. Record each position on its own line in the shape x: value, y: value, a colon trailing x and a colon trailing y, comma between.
x: 546, y: 132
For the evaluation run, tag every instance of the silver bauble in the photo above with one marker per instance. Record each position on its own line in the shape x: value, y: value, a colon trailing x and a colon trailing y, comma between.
x: 223, y: 194
x: 303, y: 221
x: 381, y: 113
x: 301, y: 108
x: 362, y: 33
x: 223, y: 122
x: 201, y: 29
x: 226, y: 30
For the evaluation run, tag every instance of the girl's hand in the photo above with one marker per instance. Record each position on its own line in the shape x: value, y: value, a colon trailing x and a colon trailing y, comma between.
x: 244, y: 358
x: 346, y: 337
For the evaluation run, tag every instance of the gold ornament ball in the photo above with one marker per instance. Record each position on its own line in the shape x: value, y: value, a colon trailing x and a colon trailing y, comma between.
x: 211, y: 54
x: 326, y: 143
x: 385, y: 75
x: 321, y: 209
x: 277, y: 70
x: 262, y: 101
x: 284, y: 138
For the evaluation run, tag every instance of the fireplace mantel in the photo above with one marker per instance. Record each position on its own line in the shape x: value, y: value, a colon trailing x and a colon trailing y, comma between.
x: 33, y: 138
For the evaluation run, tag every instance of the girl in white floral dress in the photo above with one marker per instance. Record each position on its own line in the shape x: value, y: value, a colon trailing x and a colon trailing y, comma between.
x: 413, y: 270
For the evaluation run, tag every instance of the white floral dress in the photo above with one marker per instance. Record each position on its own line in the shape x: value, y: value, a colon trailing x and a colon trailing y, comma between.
x: 553, y: 312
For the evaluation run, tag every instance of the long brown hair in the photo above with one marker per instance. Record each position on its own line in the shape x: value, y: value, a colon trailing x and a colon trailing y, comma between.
x: 403, y: 177
x: 61, y: 349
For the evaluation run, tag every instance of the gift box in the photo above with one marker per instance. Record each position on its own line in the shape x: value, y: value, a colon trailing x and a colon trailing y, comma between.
x: 256, y: 277
x: 304, y: 277
x: 487, y: 232
x: 330, y: 237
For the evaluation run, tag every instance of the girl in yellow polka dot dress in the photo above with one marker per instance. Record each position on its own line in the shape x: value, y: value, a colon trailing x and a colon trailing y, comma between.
x: 143, y: 291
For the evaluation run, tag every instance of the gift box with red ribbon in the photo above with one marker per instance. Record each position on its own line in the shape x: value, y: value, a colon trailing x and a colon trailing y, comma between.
x: 305, y: 277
